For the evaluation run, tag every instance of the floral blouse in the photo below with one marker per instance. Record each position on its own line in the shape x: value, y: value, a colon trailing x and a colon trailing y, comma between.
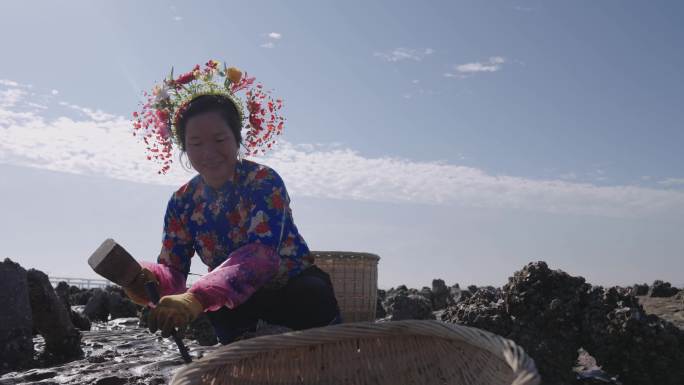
x: 244, y: 232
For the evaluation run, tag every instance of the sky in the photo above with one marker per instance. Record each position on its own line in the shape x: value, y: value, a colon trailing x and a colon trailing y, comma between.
x: 455, y: 139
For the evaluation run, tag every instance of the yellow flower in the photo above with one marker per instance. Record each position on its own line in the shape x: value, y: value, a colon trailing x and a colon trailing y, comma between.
x: 234, y: 74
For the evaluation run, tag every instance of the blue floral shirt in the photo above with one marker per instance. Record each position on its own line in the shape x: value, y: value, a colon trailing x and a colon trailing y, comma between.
x: 254, y: 208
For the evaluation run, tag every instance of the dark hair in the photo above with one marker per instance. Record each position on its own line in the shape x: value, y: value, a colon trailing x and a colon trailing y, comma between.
x: 211, y: 103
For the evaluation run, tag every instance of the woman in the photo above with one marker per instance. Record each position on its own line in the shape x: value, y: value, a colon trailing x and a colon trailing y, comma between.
x: 235, y: 214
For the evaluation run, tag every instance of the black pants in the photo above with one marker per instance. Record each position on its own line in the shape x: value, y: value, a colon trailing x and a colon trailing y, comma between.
x: 306, y: 301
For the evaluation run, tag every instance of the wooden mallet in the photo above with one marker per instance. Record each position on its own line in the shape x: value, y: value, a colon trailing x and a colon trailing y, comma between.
x: 113, y: 262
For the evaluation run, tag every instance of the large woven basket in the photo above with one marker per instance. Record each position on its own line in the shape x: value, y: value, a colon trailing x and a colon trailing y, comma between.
x: 355, y: 280
x: 364, y: 353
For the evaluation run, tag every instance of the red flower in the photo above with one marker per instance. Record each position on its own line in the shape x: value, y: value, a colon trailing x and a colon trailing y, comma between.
x: 277, y: 200
x: 261, y: 174
x: 234, y: 217
x: 255, y: 122
x: 175, y: 226
x: 262, y: 228
x: 162, y: 115
x: 208, y: 242
x: 185, y: 78
x: 168, y: 244
x: 253, y: 106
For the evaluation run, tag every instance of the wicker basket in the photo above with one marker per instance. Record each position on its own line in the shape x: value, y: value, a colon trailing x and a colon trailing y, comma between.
x: 364, y: 353
x: 355, y: 280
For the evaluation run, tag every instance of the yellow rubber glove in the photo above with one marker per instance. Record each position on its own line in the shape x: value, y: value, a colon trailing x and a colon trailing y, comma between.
x: 136, y: 290
x: 174, y: 311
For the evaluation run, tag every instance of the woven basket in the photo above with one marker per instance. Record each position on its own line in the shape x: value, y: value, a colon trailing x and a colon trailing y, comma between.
x: 364, y: 353
x: 355, y: 280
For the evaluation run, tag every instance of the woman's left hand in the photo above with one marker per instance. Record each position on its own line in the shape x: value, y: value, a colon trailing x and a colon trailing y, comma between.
x: 174, y: 311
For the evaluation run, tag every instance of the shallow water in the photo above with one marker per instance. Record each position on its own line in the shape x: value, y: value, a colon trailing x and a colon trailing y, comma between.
x: 118, y: 352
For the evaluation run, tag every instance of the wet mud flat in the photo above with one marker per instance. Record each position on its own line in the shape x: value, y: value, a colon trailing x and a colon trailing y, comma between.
x: 115, y: 353
x: 667, y: 308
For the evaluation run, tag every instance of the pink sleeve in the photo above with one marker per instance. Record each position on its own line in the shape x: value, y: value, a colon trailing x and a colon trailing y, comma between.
x: 171, y: 281
x: 238, y: 277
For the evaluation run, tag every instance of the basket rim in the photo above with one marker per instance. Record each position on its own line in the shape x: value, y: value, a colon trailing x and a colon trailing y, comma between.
x: 521, y: 364
x: 344, y: 254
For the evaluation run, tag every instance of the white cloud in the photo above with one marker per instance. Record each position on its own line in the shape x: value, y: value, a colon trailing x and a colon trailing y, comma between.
x: 177, y: 18
x: 672, y: 182
x: 400, y: 54
x: 468, y: 69
x: 344, y: 174
x: 54, y: 92
x: 97, y: 115
x: 8, y: 83
x: 98, y: 143
x: 9, y: 97
x: 273, y: 36
x: 493, y: 65
x: 36, y: 105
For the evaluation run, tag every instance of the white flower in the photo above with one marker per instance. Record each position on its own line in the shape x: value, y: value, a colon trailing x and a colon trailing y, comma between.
x: 160, y: 93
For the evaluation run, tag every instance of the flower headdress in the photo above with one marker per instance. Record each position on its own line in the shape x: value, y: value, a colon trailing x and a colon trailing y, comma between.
x: 157, y: 121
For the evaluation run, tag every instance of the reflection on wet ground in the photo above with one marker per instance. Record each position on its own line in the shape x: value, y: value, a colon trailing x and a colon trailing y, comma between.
x: 116, y: 353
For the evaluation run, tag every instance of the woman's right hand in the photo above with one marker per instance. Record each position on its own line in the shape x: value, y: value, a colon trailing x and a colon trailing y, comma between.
x: 136, y: 290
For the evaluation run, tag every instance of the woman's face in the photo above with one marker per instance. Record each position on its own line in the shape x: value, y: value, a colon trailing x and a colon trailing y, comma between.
x: 211, y: 147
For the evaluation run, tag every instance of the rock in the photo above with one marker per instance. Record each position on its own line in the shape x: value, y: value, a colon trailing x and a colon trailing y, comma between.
x: 16, y: 341
x: 80, y: 321
x: 202, y: 331
x: 440, y: 294
x: 379, y: 310
x: 51, y: 319
x: 552, y: 314
x: 97, y: 308
x: 381, y: 294
x: 640, y: 289
x: 410, y: 306
x: 63, y: 291
x: 426, y: 293
x: 457, y: 295
x: 472, y: 289
x: 641, y: 348
x: 118, y: 304
x: 80, y: 296
x: 662, y: 289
